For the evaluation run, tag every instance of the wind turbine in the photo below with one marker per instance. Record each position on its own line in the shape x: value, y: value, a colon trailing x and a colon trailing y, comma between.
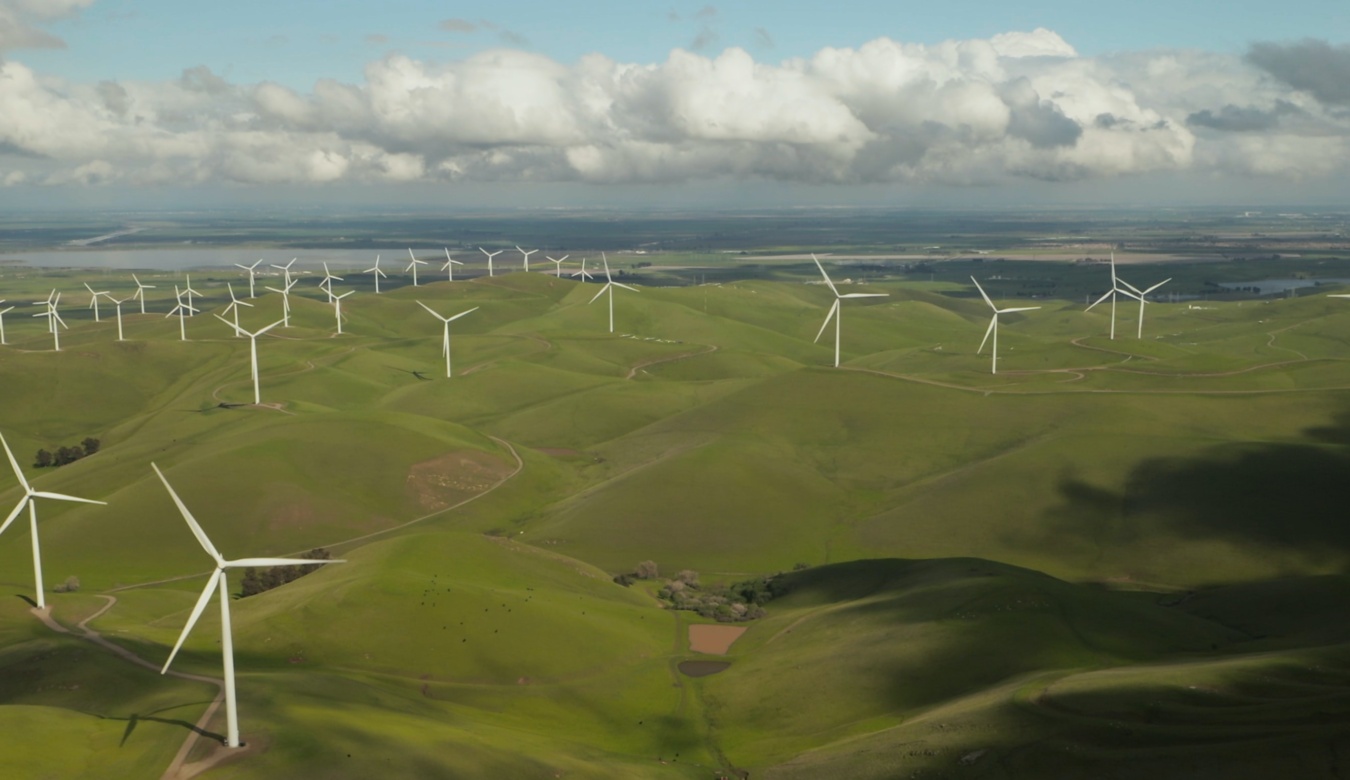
x: 93, y: 299
x: 253, y: 348
x: 250, y: 269
x: 235, y: 303
x: 527, y: 256
x: 140, y: 292
x: 450, y: 264
x: 993, y: 324
x: 28, y: 499
x: 378, y: 273
x: 490, y: 255
x: 285, y: 298
x: 189, y: 292
x: 183, y: 310
x: 412, y: 266
x: 582, y: 273
x: 1115, y: 288
x: 557, y: 263
x: 1141, y: 295
x: 610, y: 284
x: 286, y: 270
x: 445, y: 343
x: 118, y: 303
x: 834, y: 310
x: 327, y: 284
x: 3, y: 312
x: 54, y: 321
x: 218, y: 582
x: 337, y: 308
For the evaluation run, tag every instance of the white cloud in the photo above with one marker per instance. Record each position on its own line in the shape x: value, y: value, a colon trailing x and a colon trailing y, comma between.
x: 1016, y: 106
x: 19, y: 20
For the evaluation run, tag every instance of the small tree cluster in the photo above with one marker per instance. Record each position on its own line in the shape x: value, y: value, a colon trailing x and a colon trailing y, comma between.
x: 276, y: 576
x: 71, y: 585
x: 725, y: 603
x: 64, y: 455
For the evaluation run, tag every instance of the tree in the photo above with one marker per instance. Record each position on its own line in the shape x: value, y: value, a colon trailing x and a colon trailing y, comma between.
x: 647, y: 570
x: 251, y: 585
x: 42, y: 460
x: 90, y: 445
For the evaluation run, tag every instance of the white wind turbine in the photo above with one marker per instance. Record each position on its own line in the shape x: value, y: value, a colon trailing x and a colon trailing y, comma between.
x: 449, y: 266
x: 378, y: 273
x: 219, y: 582
x: 118, y: 303
x: 412, y: 266
x: 183, y: 310
x: 235, y: 303
x: 140, y: 292
x: 527, y: 256
x: 250, y: 269
x: 1142, y: 295
x: 93, y: 299
x: 1115, y: 289
x: 3, y: 312
x: 29, y: 500
x: 582, y: 273
x: 253, y: 349
x: 490, y: 255
x: 610, y: 284
x: 285, y: 298
x: 286, y: 271
x: 993, y: 324
x: 445, y: 342
x: 835, y: 313
x: 54, y: 321
x: 557, y: 263
x: 337, y: 308
x: 189, y: 292
x: 328, y: 278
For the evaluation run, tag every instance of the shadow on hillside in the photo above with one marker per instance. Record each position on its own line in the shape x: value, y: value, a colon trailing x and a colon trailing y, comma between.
x: 135, y: 719
x: 1287, y: 496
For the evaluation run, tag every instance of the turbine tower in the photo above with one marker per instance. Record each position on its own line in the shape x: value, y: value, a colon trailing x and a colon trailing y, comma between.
x: 413, y: 265
x: 1115, y: 288
x: 3, y: 312
x: 183, y: 310
x: 337, y: 308
x: 250, y: 269
x: 118, y: 303
x: 490, y: 255
x: 140, y: 292
x: 54, y: 321
x: 189, y: 292
x: 218, y: 582
x: 285, y: 298
x: 610, y: 284
x: 1141, y: 295
x: 993, y: 324
x: 93, y: 299
x: 445, y: 342
x: 527, y: 256
x: 835, y: 313
x: 449, y: 266
x: 557, y: 263
x: 29, y: 500
x: 378, y: 273
x: 328, y: 278
x: 253, y: 349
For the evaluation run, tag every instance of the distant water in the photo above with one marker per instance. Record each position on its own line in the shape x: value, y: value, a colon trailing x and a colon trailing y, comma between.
x: 1277, y: 286
x: 190, y: 258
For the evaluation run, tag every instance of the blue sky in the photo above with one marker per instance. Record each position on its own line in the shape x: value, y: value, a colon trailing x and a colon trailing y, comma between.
x: 632, y: 101
x: 296, y: 42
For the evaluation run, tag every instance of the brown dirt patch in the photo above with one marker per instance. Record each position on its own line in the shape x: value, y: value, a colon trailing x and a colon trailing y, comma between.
x: 713, y: 639
x: 453, y: 477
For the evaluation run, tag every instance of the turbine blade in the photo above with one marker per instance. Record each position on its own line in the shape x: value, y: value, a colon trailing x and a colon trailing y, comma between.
x: 17, y: 511
x: 197, y: 611
x: 992, y: 323
x: 983, y: 295
x: 866, y: 295
x: 602, y: 291
x: 243, y: 563
x: 63, y: 497
x: 191, y: 521
x: 461, y: 314
x: 827, y: 276
x: 1023, y: 308
x: 833, y: 310
x: 15, y: 463
x: 626, y: 287
x: 1106, y: 295
x: 237, y: 329
x: 269, y: 327
x: 1156, y: 286
x: 433, y: 311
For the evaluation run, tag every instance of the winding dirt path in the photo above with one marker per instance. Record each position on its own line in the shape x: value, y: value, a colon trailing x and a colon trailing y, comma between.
x: 632, y: 372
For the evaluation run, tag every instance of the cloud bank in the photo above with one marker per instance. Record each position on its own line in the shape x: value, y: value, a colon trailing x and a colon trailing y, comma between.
x: 1020, y: 105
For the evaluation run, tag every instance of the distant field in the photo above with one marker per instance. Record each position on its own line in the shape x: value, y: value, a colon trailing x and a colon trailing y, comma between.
x: 1120, y: 554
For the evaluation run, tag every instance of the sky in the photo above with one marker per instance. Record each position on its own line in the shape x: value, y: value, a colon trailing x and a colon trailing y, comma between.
x: 153, y: 103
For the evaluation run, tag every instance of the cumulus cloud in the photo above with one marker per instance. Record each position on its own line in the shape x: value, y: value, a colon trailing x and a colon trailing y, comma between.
x: 1314, y: 66
x: 1015, y: 106
x: 19, y: 20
